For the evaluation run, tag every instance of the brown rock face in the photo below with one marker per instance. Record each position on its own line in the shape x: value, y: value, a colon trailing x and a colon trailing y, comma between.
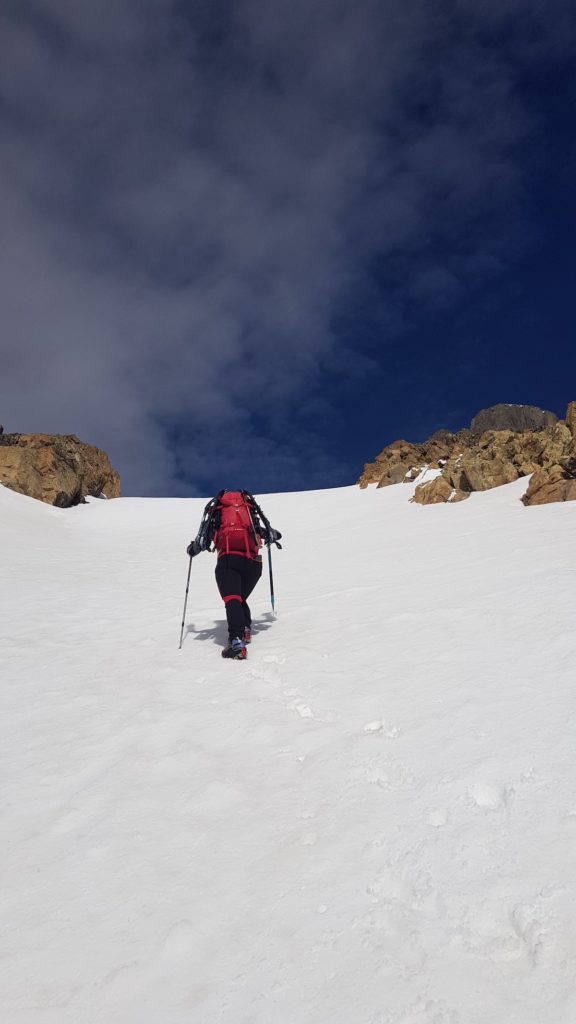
x: 485, y: 464
x: 556, y: 483
x: 472, y: 461
x: 57, y: 469
x: 500, y: 456
x: 401, y: 461
x: 434, y: 492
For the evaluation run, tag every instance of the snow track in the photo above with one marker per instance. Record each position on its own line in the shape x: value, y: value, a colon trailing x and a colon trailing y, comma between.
x: 370, y: 821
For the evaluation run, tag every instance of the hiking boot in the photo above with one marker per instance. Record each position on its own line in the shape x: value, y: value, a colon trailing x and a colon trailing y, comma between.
x: 236, y: 649
x: 247, y: 635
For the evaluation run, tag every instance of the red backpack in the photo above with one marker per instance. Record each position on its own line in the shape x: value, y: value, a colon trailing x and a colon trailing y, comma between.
x: 235, y: 534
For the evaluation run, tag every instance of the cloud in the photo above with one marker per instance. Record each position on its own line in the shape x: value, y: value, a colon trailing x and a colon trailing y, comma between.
x: 189, y: 194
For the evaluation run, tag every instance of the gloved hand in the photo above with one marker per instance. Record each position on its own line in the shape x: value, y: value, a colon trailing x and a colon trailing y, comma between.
x: 193, y: 548
x: 272, y: 537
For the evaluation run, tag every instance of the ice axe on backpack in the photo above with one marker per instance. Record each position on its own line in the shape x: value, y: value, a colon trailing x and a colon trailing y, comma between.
x: 271, y: 536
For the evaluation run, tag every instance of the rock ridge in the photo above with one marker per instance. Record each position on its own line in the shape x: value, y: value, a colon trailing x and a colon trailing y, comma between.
x: 535, y: 443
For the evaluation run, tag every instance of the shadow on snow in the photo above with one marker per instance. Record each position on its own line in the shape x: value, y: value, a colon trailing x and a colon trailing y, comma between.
x: 218, y: 633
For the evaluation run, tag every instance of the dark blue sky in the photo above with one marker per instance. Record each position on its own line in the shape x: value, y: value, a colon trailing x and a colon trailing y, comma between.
x: 508, y: 338
x: 251, y: 243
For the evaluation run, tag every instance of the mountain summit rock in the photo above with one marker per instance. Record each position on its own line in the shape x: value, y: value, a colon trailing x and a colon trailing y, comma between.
x: 512, y: 417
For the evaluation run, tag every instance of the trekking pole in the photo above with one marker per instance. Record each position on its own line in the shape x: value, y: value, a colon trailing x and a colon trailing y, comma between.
x: 271, y: 576
x: 185, y: 603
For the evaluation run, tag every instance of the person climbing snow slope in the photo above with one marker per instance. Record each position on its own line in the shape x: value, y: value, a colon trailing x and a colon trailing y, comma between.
x: 235, y: 527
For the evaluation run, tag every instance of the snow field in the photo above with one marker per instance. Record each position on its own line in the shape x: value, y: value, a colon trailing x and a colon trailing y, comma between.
x: 371, y: 821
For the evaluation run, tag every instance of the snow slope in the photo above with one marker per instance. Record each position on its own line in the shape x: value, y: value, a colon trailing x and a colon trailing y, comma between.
x: 371, y: 821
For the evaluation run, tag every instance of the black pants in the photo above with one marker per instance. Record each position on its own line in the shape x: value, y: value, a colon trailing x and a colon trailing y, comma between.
x: 236, y: 578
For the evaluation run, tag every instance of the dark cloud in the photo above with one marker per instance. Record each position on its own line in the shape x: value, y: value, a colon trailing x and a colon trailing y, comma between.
x: 189, y: 193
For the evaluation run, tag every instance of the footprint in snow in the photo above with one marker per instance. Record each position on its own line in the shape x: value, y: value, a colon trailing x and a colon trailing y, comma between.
x: 125, y: 982
x: 438, y: 817
x: 266, y: 676
x: 429, y: 1011
x: 498, y: 944
x: 317, y: 714
x: 379, y: 726
x: 309, y: 839
x: 490, y: 796
x: 180, y: 942
x: 377, y: 771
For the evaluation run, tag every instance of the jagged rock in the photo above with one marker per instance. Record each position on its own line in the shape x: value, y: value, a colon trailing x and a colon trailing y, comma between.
x: 433, y: 492
x: 559, y: 444
x: 472, y: 461
x: 501, y: 456
x: 556, y: 483
x: 512, y: 417
x: 394, y: 475
x: 481, y: 474
x: 442, y: 436
x: 436, y: 491
x: 398, y: 460
x: 459, y: 496
x: 58, y: 469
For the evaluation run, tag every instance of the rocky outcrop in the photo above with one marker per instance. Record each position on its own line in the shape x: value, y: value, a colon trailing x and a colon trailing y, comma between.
x: 556, y: 483
x: 470, y: 460
x: 512, y: 417
x: 401, y: 461
x: 434, y: 492
x: 57, y: 469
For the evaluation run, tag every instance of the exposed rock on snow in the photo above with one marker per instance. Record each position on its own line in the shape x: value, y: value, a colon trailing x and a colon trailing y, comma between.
x: 58, y: 469
x: 434, y: 492
x: 470, y: 461
x: 402, y: 462
x: 558, y: 483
